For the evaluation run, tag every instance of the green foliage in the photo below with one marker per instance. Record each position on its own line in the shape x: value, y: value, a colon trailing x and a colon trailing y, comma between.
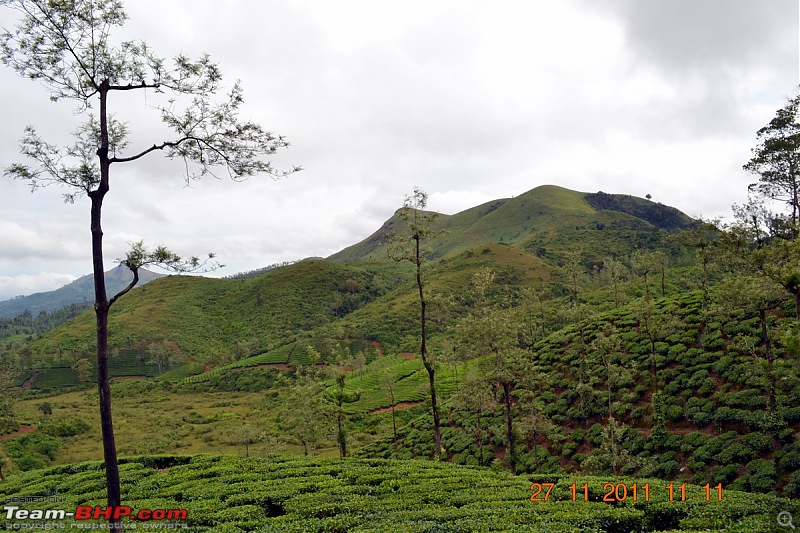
x: 659, y: 215
x: 32, y: 451
x: 29, y: 324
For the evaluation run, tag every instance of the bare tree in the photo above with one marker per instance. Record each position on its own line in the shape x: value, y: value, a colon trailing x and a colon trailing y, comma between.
x: 418, y: 231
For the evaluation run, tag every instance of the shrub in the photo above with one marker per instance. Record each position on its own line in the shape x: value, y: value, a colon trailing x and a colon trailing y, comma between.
x: 67, y: 428
x: 699, y: 411
x: 760, y: 476
x: 31, y: 451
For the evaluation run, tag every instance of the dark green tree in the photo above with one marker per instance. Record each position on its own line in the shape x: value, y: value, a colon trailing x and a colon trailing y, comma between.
x: 45, y: 408
x: 776, y: 160
x: 66, y: 45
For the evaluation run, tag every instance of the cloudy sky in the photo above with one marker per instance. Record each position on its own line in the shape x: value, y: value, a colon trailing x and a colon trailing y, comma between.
x: 471, y: 100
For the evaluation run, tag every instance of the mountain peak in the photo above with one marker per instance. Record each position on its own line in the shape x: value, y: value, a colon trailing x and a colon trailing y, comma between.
x: 533, y: 220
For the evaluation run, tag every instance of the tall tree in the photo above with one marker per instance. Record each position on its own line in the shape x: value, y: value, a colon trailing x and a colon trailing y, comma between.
x: 66, y: 45
x: 419, y: 230
x: 776, y: 160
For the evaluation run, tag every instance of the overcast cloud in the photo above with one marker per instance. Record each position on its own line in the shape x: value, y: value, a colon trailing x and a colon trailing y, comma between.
x: 470, y: 100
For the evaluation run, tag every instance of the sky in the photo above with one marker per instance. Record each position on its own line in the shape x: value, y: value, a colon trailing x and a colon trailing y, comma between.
x: 471, y: 100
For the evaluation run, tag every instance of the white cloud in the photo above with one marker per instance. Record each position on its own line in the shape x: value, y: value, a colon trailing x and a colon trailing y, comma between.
x: 469, y: 99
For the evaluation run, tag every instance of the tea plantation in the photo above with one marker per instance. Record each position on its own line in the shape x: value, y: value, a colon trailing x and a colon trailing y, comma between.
x: 289, y: 493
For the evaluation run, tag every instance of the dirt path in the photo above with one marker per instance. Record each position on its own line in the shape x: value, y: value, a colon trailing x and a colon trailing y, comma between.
x: 401, y: 405
x: 28, y: 383
x: 23, y: 428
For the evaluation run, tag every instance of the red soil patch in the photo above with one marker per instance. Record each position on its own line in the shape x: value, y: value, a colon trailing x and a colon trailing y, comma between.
x: 377, y: 347
x: 23, y: 428
x: 408, y: 355
x: 279, y: 366
x: 206, y: 368
x: 401, y: 405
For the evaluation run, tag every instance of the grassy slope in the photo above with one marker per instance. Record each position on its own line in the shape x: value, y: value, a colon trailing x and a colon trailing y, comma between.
x: 207, y: 317
x: 311, y: 494
x: 548, y: 217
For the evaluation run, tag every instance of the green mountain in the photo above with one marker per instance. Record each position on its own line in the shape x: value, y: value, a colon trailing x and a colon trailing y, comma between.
x: 79, y: 291
x: 213, y: 320
x: 546, y: 219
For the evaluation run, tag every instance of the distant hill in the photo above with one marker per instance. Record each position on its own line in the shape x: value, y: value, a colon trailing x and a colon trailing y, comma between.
x: 80, y: 290
x: 546, y: 219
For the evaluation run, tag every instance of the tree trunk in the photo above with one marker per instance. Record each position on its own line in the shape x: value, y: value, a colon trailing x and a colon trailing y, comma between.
x: 101, y: 307
x: 341, y: 438
x: 512, y: 453
x: 437, y: 433
x: 796, y: 292
x: 762, y: 313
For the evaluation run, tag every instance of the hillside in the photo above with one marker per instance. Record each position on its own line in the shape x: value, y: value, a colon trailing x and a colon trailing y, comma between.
x: 79, y: 291
x: 621, y: 350
x: 215, y: 320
